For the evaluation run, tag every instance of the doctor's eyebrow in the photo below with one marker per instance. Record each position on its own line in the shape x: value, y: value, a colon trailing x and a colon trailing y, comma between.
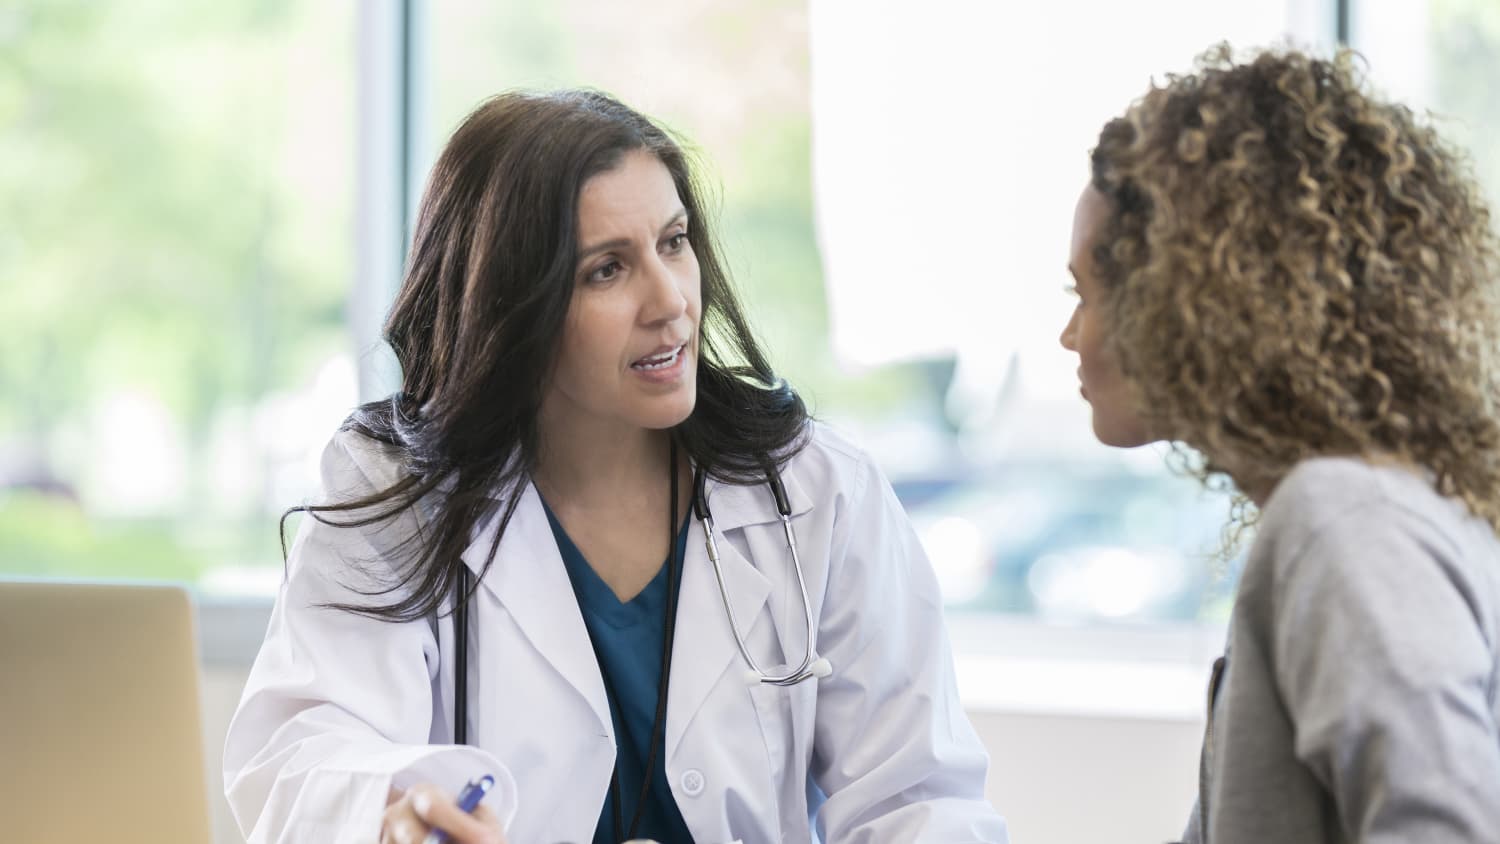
x: 680, y: 216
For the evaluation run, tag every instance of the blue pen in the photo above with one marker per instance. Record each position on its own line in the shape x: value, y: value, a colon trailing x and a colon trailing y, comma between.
x: 467, y: 800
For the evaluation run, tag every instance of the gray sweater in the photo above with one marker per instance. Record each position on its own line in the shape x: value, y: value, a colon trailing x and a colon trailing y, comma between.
x: 1357, y: 698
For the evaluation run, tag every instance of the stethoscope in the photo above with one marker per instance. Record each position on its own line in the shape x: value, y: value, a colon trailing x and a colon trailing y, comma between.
x: 810, y: 666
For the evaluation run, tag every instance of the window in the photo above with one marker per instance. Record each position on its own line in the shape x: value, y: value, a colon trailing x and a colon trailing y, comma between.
x: 175, y: 262
x: 1443, y: 57
x: 191, y: 311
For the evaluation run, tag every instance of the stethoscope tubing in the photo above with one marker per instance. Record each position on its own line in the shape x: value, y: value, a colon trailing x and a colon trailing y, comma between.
x: 810, y: 665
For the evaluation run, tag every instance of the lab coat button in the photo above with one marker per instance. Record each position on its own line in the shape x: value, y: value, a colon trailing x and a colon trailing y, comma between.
x: 692, y: 782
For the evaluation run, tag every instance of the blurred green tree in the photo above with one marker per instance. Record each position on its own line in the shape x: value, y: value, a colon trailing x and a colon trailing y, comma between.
x: 160, y: 237
x: 1465, y: 48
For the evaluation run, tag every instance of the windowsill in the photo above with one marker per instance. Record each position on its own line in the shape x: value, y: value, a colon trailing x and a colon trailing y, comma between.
x: 1014, y: 664
x: 1082, y: 689
x: 230, y: 630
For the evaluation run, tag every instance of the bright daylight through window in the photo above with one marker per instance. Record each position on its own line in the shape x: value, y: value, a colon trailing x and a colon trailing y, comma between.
x: 897, y: 184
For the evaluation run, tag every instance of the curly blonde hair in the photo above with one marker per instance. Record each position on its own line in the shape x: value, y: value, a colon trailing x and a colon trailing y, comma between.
x: 1295, y: 268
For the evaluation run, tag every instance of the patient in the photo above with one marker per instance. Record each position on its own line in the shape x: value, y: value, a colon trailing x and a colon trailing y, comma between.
x: 1295, y: 282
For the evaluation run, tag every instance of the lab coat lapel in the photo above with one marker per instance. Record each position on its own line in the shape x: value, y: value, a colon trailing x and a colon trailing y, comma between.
x: 704, y: 653
x: 529, y: 580
x: 738, y: 505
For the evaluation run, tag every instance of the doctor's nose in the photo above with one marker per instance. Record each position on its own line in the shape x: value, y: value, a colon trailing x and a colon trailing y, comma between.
x: 664, y: 299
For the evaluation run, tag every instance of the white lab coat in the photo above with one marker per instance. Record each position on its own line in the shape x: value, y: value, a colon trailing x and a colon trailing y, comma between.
x: 338, y: 708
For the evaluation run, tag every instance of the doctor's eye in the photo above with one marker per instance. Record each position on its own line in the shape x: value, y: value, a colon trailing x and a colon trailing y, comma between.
x: 604, y: 273
x: 676, y: 242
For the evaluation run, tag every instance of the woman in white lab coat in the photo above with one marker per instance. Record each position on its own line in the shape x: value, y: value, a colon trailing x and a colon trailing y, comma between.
x: 574, y: 362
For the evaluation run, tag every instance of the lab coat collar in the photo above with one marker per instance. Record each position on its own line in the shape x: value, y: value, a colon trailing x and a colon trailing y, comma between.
x: 735, y: 506
x: 528, y: 578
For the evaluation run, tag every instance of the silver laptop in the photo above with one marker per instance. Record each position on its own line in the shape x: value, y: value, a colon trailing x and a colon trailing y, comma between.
x: 100, y: 728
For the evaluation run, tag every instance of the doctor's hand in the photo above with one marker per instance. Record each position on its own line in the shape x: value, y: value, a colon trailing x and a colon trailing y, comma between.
x: 411, y: 814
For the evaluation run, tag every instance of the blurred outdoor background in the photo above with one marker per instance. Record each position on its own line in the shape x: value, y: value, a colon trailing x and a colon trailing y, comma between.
x: 203, y: 209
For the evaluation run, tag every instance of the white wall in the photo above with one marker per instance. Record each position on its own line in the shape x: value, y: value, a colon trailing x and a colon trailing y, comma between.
x: 221, y: 692
x: 1059, y: 779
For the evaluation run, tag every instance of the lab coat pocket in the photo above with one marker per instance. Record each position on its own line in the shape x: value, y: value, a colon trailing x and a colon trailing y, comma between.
x: 773, y: 708
x: 786, y: 731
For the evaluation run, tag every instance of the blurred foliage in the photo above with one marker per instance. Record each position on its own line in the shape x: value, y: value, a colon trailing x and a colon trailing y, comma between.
x: 1464, y: 43
x: 45, y: 535
x: 174, y: 228
x: 148, y: 243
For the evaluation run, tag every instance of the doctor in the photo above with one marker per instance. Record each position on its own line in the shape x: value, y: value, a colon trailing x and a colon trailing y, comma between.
x: 574, y: 362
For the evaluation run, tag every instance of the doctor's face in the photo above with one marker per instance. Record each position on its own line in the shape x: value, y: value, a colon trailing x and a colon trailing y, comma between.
x: 629, y: 350
x: 1110, y: 395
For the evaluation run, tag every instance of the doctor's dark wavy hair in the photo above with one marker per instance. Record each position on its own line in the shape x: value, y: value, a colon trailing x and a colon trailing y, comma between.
x: 477, y: 322
x: 1295, y: 268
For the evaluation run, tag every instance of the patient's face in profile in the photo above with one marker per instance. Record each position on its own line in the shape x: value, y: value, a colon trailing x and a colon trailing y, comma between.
x: 1111, y: 396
